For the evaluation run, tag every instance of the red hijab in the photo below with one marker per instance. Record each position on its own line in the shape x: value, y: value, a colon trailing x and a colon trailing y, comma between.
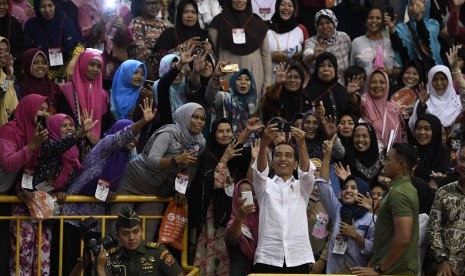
x: 22, y: 128
x: 30, y: 84
x: 374, y: 110
x: 69, y: 159
x: 90, y: 94
x: 248, y: 246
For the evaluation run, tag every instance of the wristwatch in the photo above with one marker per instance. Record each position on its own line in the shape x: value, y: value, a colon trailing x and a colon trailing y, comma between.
x: 441, y: 259
x: 173, y: 162
x: 378, y: 268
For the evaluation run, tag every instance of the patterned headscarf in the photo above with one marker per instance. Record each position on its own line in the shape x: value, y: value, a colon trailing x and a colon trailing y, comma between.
x: 332, y: 17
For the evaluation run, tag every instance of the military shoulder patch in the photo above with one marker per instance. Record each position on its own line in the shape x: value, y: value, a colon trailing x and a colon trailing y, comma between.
x: 113, y: 250
x: 151, y: 244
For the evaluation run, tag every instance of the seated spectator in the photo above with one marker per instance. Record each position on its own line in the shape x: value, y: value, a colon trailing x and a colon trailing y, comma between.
x: 373, y: 51
x: 126, y: 90
x: 363, y: 156
x: 383, y: 115
x: 41, y: 32
x: 328, y: 39
x: 283, y: 241
x: 85, y: 92
x: 35, y: 78
x: 20, y: 143
x: 438, y: 98
x: 285, y: 36
x: 8, y: 99
x: 242, y: 231
x: 445, y: 227
x: 249, y: 48
x: 324, y: 87
x: 172, y: 149
x: 186, y: 30
x: 418, y: 38
x: 351, y: 240
x: 285, y: 97
x: 221, y: 165
x: 239, y: 103
x: 105, y: 166
x: 433, y: 157
x: 11, y: 29
x: 146, y: 28
x: 106, y: 28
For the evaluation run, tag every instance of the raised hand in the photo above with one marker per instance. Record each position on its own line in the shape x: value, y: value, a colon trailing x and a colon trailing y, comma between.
x: 353, y: 85
x: 320, y: 112
x: 86, y: 119
x: 186, y: 158
x: 329, y: 126
x: 452, y: 57
x: 199, y: 63
x: 422, y: 94
x: 365, y: 201
x: 217, y: 72
x: 185, y: 56
x: 255, y: 148
x: 245, y: 210
x: 147, y: 110
x: 319, y: 48
x: 342, y: 172
x: 328, y: 145
x: 390, y: 22
x: 231, y: 152
x: 281, y: 72
x: 269, y: 134
x: 299, y: 136
x: 40, y: 136
x: 146, y: 92
x: 458, y: 3
x: 254, y: 124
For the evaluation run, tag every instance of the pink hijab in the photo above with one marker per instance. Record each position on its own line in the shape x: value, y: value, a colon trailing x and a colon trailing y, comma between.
x: 91, y: 96
x: 22, y: 128
x: 69, y: 159
x: 248, y: 246
x: 374, y: 110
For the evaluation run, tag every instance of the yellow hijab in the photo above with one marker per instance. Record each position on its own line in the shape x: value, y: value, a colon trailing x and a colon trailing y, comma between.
x: 9, y: 101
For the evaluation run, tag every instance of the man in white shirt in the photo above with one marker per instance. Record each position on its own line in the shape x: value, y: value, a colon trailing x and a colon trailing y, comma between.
x: 283, y: 241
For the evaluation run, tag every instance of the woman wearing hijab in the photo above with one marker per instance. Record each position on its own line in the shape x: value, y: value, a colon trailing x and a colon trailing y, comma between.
x: 8, y: 99
x: 54, y: 33
x: 12, y: 30
x: 187, y: 28
x: 373, y: 51
x: 383, y: 115
x: 328, y: 39
x: 285, y: 98
x: 440, y: 98
x: 242, y: 231
x: 285, y: 36
x: 434, y: 158
x: 324, y: 87
x: 239, y: 36
x: 352, y: 237
x: 20, y: 143
x: 345, y: 129
x: 106, y: 163
x: 85, y: 92
x: 221, y: 165
x: 35, y: 79
x: 237, y: 105
x: 364, y: 158
x: 105, y: 28
x: 411, y: 75
x: 171, y: 149
x: 127, y: 84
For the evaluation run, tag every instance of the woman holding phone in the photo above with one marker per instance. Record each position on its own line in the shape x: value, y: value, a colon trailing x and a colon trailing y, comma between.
x: 351, y: 241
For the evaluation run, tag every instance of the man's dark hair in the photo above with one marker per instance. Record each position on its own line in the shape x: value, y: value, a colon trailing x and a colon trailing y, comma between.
x: 406, y: 152
x: 296, y: 152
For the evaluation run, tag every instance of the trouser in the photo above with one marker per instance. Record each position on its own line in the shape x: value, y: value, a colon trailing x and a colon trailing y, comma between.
x: 264, y: 268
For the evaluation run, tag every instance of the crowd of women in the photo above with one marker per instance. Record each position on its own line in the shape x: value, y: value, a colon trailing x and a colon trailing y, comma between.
x: 107, y: 99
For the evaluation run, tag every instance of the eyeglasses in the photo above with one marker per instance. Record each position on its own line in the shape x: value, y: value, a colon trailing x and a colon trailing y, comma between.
x: 196, y: 117
x: 153, y: 4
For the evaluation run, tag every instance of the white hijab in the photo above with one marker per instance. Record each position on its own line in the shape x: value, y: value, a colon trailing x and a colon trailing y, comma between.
x: 446, y: 106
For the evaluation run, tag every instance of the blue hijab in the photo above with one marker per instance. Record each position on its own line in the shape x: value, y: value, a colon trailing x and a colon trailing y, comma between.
x: 356, y: 210
x: 237, y: 105
x: 124, y: 94
x: 57, y: 32
x: 433, y: 27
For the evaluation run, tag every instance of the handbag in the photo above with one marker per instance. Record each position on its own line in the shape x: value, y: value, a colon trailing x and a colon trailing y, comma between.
x: 172, y: 226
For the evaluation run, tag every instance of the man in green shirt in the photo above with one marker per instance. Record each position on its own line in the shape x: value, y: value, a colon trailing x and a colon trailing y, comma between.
x: 395, y: 246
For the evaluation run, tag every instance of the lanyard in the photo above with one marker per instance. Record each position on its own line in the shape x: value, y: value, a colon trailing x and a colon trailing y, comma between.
x: 232, y: 26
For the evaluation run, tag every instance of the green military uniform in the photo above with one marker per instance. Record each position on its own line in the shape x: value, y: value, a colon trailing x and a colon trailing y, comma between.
x: 148, y: 259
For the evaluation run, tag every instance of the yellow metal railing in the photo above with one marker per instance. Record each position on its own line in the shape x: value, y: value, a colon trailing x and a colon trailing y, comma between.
x: 189, y: 270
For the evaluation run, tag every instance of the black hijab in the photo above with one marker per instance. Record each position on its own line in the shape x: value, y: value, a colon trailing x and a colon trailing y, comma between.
x: 279, y: 25
x: 255, y: 29
x: 11, y: 29
x: 318, y: 90
x: 347, y: 142
x: 172, y: 37
x: 367, y: 164
x: 291, y: 103
x: 434, y: 156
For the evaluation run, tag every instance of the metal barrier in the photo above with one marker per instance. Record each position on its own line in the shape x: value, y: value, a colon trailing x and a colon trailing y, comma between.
x: 189, y: 270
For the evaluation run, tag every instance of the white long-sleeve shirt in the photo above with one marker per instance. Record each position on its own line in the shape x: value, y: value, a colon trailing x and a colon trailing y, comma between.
x: 283, y: 227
